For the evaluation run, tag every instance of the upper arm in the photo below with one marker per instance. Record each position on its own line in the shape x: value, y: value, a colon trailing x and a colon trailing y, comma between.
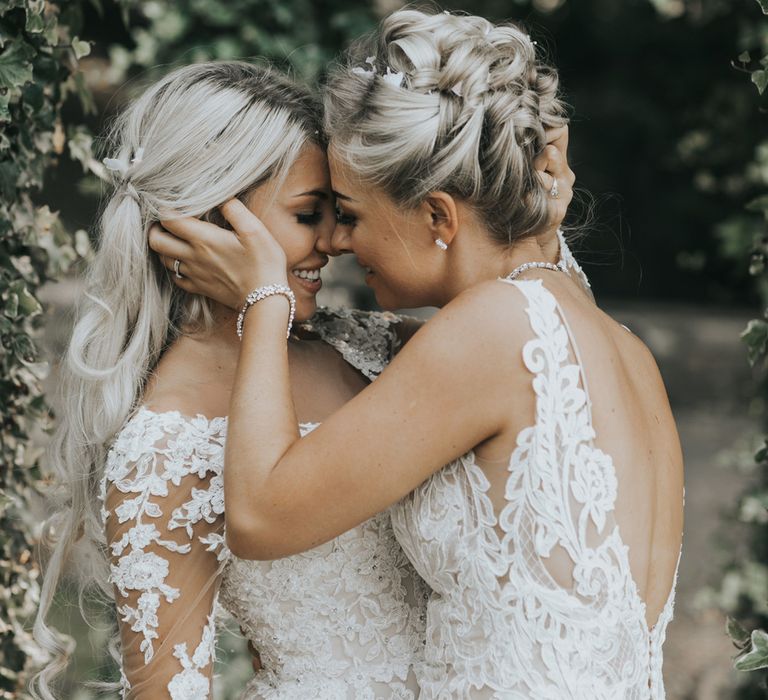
x: 163, y: 510
x: 445, y: 392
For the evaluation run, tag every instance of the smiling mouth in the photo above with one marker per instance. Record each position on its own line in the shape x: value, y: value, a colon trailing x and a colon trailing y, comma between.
x: 308, y: 275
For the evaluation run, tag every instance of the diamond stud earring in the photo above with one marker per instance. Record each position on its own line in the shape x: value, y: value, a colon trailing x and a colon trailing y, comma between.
x: 440, y: 243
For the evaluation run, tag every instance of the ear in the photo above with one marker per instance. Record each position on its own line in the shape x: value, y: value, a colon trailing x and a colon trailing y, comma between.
x: 443, y: 216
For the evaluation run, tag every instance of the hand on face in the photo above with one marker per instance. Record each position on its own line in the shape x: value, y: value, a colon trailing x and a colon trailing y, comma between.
x: 276, y: 239
x: 225, y: 268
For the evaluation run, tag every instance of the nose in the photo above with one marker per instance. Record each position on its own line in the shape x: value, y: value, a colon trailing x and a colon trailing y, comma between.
x: 323, y: 242
x: 340, y: 240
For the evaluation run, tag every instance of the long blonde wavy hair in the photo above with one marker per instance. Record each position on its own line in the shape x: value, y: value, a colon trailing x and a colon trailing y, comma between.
x: 199, y: 136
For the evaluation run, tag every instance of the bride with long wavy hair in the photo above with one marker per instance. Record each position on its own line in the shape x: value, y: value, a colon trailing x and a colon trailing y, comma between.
x: 146, y: 381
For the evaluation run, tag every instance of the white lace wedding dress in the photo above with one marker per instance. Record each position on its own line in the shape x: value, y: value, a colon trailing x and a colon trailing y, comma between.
x: 533, y: 597
x: 342, y: 621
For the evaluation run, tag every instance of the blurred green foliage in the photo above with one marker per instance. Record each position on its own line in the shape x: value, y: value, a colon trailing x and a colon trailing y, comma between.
x: 743, y: 236
x: 301, y: 35
x: 39, y: 52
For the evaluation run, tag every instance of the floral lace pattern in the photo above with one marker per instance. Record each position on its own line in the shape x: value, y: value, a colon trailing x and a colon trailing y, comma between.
x: 153, y: 452
x: 365, y: 339
x: 344, y: 620
x: 536, y: 600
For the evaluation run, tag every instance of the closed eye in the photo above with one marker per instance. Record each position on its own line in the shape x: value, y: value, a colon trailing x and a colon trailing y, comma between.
x: 312, y: 219
x: 343, y: 218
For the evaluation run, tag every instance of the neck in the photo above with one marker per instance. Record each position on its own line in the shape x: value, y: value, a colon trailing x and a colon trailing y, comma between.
x: 475, y: 259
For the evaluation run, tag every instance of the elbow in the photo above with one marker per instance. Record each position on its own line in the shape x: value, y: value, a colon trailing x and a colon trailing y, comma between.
x: 254, y: 539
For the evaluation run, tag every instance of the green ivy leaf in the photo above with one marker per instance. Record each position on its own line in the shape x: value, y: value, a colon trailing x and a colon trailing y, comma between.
x: 757, y: 657
x: 760, y: 204
x: 760, y: 78
x: 27, y: 303
x: 5, y: 112
x: 736, y: 632
x: 80, y: 144
x: 84, y: 93
x: 80, y: 47
x: 35, y: 10
x: 9, y: 175
x: 755, y: 335
x: 763, y: 6
x: 35, y: 23
x: 11, y: 308
x: 15, y: 67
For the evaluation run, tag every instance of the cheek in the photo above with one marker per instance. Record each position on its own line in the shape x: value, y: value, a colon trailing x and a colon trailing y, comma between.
x: 298, y: 242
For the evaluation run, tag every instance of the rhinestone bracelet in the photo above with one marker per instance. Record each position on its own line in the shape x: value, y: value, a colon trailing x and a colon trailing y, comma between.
x: 262, y: 293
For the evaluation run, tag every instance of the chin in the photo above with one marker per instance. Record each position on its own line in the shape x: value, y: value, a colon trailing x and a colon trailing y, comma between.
x: 390, y: 302
x: 305, y: 309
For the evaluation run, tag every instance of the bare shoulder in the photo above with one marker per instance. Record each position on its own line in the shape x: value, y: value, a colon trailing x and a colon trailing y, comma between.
x: 481, y: 327
x: 190, y: 378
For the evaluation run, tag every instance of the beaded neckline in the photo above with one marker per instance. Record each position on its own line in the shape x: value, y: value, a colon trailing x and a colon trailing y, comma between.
x: 520, y: 269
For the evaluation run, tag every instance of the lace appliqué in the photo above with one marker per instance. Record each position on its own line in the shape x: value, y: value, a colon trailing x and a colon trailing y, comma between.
x: 153, y: 451
x: 344, y: 620
x: 365, y: 339
x: 190, y: 683
x: 539, y: 601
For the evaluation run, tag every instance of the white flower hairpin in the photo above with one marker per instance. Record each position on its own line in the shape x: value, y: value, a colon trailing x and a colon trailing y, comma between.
x: 371, y: 61
x: 395, y: 79
x: 121, y: 165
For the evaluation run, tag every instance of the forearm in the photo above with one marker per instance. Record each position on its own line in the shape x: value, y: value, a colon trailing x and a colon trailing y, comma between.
x: 262, y: 419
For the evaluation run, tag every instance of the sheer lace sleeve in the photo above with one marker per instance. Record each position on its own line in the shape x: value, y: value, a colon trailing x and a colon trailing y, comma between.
x: 163, y: 505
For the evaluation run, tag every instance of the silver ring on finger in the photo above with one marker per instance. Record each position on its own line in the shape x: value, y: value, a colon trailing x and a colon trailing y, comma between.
x: 176, y: 264
x: 555, y: 191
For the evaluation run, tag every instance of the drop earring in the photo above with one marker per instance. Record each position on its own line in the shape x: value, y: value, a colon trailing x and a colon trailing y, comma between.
x: 440, y: 243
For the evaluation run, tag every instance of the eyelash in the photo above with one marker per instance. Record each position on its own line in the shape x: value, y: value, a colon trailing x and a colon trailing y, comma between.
x: 310, y: 219
x: 345, y: 219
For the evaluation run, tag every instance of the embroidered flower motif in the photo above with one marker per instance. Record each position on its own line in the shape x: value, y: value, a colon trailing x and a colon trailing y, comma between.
x: 594, y: 484
x: 140, y: 464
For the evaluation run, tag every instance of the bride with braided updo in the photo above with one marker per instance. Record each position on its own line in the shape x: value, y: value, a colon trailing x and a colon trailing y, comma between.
x: 522, y: 439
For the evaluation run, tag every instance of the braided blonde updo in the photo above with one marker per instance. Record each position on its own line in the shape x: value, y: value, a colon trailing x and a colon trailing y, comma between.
x: 448, y: 102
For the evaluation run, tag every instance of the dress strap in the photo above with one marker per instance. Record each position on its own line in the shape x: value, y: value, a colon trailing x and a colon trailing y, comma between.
x: 569, y: 260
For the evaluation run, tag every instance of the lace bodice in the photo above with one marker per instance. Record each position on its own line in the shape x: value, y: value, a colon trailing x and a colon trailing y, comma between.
x: 344, y: 620
x: 532, y: 591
